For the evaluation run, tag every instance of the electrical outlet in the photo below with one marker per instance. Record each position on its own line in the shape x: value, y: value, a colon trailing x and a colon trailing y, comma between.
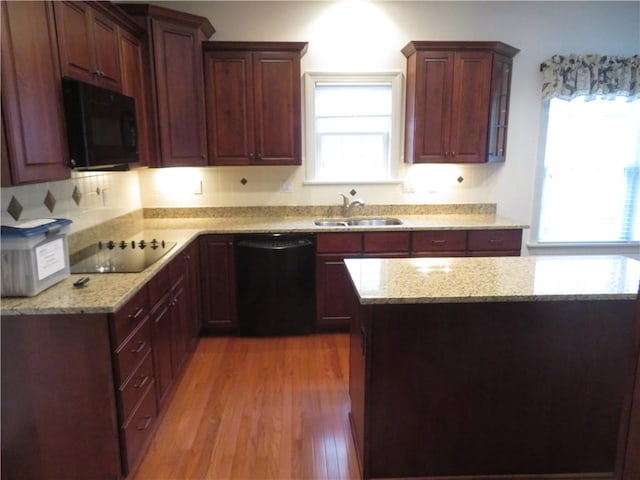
x: 287, y: 186
x: 407, y: 187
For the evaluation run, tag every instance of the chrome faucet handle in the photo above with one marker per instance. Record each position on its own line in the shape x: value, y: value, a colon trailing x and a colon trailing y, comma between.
x: 345, y: 199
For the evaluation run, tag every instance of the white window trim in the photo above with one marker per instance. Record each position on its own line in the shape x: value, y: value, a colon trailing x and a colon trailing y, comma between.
x: 397, y: 122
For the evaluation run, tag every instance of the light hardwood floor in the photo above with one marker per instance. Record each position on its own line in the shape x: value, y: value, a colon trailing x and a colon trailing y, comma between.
x: 258, y: 408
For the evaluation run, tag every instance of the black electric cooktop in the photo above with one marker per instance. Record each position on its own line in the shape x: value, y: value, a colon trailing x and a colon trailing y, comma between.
x: 122, y: 256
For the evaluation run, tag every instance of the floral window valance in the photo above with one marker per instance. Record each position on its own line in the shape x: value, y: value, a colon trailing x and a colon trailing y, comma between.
x: 570, y: 76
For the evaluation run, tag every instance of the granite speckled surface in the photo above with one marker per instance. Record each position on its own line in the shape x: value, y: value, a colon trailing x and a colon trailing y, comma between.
x: 105, y: 293
x: 321, y: 210
x: 494, y: 279
x: 306, y: 224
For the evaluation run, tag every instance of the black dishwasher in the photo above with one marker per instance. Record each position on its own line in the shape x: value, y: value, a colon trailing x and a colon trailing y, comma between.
x: 275, y: 284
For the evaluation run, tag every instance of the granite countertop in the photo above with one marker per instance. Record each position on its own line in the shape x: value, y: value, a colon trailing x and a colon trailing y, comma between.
x: 494, y: 279
x: 306, y: 224
x: 105, y: 293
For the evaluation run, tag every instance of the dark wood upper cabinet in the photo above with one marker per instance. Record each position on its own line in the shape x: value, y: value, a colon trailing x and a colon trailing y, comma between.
x: 32, y: 111
x: 177, y: 87
x: 457, y: 101
x: 253, y: 102
x: 134, y: 82
x: 88, y: 44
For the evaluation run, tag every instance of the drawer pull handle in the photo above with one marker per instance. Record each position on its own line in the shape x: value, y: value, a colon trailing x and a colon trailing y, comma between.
x: 495, y: 241
x: 142, y: 382
x: 141, y: 346
x: 147, y: 422
x: 438, y: 242
x: 136, y: 315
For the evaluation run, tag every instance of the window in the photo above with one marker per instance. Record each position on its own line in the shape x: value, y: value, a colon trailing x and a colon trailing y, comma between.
x: 353, y: 127
x: 591, y: 174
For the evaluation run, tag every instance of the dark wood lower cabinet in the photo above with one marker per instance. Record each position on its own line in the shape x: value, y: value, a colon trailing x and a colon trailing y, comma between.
x: 334, y: 305
x: 631, y: 460
x: 162, y: 354
x: 175, y: 318
x: 82, y: 394
x: 59, y: 417
x: 218, y: 280
x: 494, y: 390
x: 180, y: 325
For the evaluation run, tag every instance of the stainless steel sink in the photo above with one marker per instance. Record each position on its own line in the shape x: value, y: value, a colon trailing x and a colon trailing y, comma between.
x: 330, y: 223
x: 359, y: 222
x: 374, y: 222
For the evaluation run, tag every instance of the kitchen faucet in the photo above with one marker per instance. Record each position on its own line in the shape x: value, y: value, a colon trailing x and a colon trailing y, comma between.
x: 347, y: 205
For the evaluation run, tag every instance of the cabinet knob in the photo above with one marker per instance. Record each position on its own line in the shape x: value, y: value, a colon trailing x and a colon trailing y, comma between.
x: 251, y: 156
x: 259, y: 156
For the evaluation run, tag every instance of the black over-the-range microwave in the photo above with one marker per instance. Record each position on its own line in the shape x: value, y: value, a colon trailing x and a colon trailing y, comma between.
x: 101, y: 127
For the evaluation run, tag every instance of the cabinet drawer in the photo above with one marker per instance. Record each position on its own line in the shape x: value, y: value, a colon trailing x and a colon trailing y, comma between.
x: 439, y: 241
x: 339, y: 243
x: 137, y: 430
x: 491, y: 240
x: 130, y: 354
x: 386, y: 242
x: 129, y: 317
x: 133, y: 389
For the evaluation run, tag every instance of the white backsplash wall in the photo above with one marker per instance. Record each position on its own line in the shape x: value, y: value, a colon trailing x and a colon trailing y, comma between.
x: 284, y: 185
x: 103, y: 196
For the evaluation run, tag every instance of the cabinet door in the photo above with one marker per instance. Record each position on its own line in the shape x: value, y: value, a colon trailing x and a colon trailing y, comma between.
x: 106, y: 48
x: 162, y: 355
x: 177, y: 54
x: 432, y: 117
x: 470, y: 107
x: 229, y: 96
x: 277, y: 108
x: 88, y: 45
x: 499, y: 116
x: 194, y: 302
x: 31, y: 94
x: 134, y: 85
x: 218, y: 283
x: 334, y: 302
x: 180, y: 325
x: 75, y: 40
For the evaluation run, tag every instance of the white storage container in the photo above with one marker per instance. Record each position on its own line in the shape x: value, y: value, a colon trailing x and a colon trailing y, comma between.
x: 35, y: 256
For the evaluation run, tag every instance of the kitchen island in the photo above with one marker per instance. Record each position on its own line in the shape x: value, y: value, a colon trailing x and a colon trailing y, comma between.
x: 490, y: 368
